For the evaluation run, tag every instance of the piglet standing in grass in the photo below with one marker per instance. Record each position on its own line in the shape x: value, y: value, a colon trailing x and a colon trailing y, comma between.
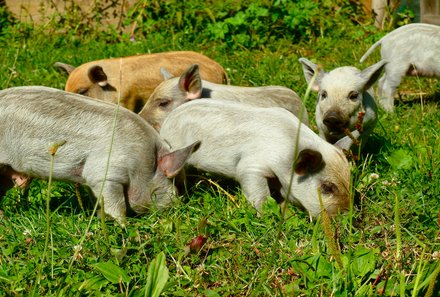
x: 175, y: 91
x: 38, y: 122
x: 412, y: 50
x: 257, y: 147
x: 343, y: 98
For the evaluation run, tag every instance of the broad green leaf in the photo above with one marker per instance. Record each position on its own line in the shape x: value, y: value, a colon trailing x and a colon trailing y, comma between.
x: 157, y: 276
x: 400, y: 159
x: 112, y: 272
x: 363, y: 261
x: 95, y: 283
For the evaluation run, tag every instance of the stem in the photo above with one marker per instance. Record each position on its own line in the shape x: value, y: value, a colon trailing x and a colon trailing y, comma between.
x: 399, y: 246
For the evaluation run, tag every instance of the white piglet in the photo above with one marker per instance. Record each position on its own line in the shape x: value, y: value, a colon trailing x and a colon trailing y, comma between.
x: 257, y: 147
x: 175, y: 91
x: 37, y: 120
x: 344, y: 102
x: 412, y: 50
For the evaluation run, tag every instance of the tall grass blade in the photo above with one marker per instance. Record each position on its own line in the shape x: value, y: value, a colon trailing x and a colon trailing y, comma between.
x: 402, y: 284
x: 295, y: 154
x: 52, y: 150
x: 330, y: 234
x: 419, y: 273
x: 434, y: 279
x: 100, y: 198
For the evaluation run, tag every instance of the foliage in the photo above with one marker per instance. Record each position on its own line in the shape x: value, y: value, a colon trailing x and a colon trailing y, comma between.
x: 248, y: 24
x: 388, y: 244
x: 6, y: 19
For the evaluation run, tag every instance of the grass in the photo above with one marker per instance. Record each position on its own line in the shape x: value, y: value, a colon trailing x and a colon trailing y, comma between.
x: 388, y: 244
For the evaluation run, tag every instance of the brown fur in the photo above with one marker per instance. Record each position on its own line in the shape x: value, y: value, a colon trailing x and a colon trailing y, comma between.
x: 139, y: 76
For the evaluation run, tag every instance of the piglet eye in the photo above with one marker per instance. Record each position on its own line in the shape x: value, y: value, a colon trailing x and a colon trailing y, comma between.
x: 353, y: 95
x: 164, y: 103
x: 328, y: 188
x: 323, y: 95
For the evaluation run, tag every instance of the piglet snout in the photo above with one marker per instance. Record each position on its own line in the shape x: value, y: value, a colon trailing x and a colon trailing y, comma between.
x: 334, y: 121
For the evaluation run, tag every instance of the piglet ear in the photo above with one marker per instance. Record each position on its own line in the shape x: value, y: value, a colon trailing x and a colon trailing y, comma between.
x: 191, y: 83
x: 64, y: 67
x: 371, y: 74
x: 308, y: 161
x: 170, y: 163
x: 165, y: 73
x: 346, y: 142
x: 310, y: 69
x: 97, y: 76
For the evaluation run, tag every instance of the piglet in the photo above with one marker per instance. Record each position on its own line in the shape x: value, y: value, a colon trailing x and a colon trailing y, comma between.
x: 109, y: 149
x: 343, y: 99
x: 257, y: 147
x: 175, y: 91
x: 412, y: 50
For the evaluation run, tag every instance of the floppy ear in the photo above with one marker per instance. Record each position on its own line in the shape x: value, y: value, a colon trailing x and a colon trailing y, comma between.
x: 170, y: 163
x: 165, y: 73
x: 97, y: 75
x: 191, y: 83
x: 309, y: 69
x: 371, y: 74
x: 308, y: 161
x: 65, y: 67
x: 346, y: 142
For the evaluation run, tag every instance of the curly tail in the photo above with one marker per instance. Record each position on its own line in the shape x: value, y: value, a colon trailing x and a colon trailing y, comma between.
x: 370, y: 50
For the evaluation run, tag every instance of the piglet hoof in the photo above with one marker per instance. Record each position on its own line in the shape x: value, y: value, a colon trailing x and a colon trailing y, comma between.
x: 121, y: 220
x: 259, y: 208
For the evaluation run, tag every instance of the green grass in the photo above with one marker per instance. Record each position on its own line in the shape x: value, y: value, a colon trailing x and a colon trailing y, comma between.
x: 388, y: 244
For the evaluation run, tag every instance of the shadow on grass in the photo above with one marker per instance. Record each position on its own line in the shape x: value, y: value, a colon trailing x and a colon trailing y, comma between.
x: 66, y: 198
x: 410, y: 100
x: 376, y: 145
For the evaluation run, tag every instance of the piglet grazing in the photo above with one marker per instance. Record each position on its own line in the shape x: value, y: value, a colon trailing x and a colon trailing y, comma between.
x: 134, y: 78
x: 344, y: 104
x: 175, y: 91
x: 412, y: 50
x: 256, y: 147
x: 38, y: 122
